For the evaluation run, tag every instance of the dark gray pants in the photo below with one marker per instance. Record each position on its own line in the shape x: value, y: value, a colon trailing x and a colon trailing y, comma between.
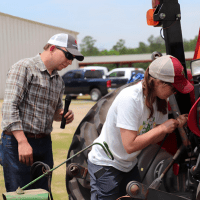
x: 108, y: 183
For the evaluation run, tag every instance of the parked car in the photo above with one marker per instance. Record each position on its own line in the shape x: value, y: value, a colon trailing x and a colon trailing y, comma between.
x: 120, y: 76
x: 86, y: 82
x: 104, y: 70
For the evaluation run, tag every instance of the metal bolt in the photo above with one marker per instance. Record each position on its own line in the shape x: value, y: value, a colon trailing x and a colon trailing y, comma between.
x: 74, y: 170
x: 162, y: 15
x: 135, y: 189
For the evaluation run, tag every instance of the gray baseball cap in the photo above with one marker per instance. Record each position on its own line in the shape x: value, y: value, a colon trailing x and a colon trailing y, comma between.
x: 67, y: 41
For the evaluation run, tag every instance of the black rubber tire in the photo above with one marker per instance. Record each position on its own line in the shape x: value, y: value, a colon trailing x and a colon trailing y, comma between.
x: 95, y: 94
x: 157, y: 164
x: 156, y: 168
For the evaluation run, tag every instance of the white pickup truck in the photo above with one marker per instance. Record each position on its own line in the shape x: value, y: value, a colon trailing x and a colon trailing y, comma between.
x: 120, y: 76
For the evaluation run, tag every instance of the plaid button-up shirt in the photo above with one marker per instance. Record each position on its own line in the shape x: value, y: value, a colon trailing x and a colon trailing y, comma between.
x: 31, y: 97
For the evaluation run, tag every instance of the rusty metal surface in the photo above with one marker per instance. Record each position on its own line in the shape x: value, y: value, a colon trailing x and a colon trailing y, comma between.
x: 136, y: 190
x: 77, y: 171
x: 160, y: 195
x: 176, y: 113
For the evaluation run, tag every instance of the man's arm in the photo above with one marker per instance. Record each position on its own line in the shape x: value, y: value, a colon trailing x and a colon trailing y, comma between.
x: 16, y: 87
x: 24, y: 149
x: 69, y: 116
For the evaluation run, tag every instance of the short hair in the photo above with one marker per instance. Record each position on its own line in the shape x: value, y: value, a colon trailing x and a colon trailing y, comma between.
x: 46, y: 46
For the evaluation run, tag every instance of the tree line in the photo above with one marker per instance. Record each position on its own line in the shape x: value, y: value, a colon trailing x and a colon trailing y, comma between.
x: 88, y: 48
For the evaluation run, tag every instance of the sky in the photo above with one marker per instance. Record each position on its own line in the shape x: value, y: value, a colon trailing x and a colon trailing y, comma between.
x: 106, y: 21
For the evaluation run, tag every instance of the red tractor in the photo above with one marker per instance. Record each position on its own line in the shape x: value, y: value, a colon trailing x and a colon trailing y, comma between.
x: 170, y: 169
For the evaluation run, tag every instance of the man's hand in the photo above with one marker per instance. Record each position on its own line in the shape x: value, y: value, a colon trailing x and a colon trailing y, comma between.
x: 69, y: 116
x: 182, y: 119
x: 25, y: 150
x: 25, y: 153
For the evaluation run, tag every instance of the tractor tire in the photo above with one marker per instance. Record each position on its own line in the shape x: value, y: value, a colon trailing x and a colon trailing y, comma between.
x: 156, y: 167
x: 95, y: 94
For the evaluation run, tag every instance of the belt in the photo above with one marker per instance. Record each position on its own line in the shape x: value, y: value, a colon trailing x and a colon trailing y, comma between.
x: 30, y: 135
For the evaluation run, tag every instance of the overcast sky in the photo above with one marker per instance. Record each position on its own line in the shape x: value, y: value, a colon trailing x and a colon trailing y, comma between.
x: 107, y: 21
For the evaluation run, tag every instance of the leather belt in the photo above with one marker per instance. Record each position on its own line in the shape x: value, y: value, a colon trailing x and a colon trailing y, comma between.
x: 30, y: 135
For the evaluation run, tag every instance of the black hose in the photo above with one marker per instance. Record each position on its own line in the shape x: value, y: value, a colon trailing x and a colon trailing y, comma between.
x: 35, y: 173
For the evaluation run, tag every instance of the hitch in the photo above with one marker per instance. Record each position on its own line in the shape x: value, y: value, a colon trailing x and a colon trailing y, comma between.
x: 140, y: 191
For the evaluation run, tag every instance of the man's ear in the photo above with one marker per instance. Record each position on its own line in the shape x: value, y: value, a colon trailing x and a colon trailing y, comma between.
x: 52, y: 48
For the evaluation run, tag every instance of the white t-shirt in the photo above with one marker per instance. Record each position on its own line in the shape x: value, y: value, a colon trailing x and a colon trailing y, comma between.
x: 128, y: 111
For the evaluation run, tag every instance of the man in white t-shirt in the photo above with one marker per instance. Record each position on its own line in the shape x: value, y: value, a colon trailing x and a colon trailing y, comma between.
x: 137, y: 118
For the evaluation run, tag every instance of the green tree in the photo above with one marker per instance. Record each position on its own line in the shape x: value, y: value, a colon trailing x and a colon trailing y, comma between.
x: 156, y: 44
x: 119, y: 46
x: 109, y: 53
x: 88, y: 48
x: 143, y: 48
x: 190, y: 45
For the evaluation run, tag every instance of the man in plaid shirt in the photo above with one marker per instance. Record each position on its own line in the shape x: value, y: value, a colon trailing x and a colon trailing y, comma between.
x: 32, y: 101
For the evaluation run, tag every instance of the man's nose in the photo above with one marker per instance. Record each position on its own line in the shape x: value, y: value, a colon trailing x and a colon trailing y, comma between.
x: 70, y: 62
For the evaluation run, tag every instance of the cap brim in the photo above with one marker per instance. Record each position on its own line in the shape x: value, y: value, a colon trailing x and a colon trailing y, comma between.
x: 183, y: 85
x: 76, y: 53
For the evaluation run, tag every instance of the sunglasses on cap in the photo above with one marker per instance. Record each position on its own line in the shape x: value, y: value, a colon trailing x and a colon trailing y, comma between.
x: 68, y: 55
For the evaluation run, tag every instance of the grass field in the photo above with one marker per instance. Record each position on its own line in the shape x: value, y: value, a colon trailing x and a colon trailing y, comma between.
x: 61, y: 140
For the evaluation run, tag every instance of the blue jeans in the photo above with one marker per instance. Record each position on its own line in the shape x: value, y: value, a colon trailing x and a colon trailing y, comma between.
x: 108, y: 183
x: 18, y: 174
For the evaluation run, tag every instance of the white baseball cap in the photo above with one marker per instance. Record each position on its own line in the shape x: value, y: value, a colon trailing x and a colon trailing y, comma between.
x: 67, y: 41
x: 169, y: 69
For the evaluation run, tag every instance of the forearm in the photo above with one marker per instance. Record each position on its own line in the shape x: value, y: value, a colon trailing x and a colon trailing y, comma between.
x: 25, y: 150
x: 159, y: 138
x: 141, y: 141
x: 20, y: 136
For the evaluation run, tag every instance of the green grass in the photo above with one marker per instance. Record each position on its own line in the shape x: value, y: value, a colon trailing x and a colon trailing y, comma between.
x: 2, y: 186
x: 60, y: 143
